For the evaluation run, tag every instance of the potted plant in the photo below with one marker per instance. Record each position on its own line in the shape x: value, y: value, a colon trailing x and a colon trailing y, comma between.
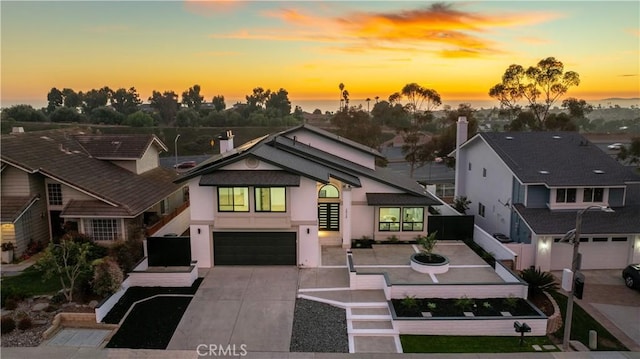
x: 7, y: 252
x: 426, y: 261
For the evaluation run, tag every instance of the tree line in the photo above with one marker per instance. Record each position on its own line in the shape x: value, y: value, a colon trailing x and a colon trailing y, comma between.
x: 124, y: 107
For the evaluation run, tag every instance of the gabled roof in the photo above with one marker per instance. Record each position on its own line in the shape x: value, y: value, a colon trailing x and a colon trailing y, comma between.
x: 557, y: 159
x: 13, y: 207
x: 332, y: 136
x: 118, y: 146
x: 58, y: 155
x: 625, y: 220
x: 301, y: 159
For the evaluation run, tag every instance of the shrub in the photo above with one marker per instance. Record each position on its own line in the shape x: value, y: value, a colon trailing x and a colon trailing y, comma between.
x: 24, y: 323
x: 511, y: 302
x: 107, y: 277
x: 127, y: 253
x: 432, y: 306
x: 7, y: 324
x: 409, y: 302
x: 461, y: 204
x: 10, y: 304
x: 465, y: 303
x: 427, y: 243
x: 539, y: 281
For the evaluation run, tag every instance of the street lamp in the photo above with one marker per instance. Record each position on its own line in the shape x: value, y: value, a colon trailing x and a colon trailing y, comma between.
x: 575, y: 234
x: 175, y: 146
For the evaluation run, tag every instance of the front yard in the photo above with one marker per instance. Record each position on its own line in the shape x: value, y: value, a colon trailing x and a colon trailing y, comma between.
x: 469, y: 344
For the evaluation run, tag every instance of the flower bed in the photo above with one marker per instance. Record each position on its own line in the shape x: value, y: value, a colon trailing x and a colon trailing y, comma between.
x: 483, y: 307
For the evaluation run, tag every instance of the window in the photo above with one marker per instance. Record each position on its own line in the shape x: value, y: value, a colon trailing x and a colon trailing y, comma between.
x: 389, y: 219
x: 329, y: 216
x: 233, y: 199
x: 413, y: 219
x: 481, y: 209
x: 619, y: 239
x: 566, y: 195
x: 484, y: 172
x: 600, y: 239
x: 271, y: 199
x: 103, y: 229
x: 55, y: 194
x: 593, y: 195
x: 469, y: 166
x: 328, y: 191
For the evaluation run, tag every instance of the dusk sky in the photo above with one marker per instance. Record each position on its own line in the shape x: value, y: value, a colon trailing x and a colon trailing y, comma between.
x: 460, y: 49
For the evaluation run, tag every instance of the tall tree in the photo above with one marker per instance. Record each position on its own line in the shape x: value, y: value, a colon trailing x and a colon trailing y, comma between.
x: 125, y: 101
x: 192, y: 98
x: 341, y: 87
x: 368, y: 100
x: 345, y: 96
x: 278, y: 104
x: 55, y: 99
x: 72, y: 99
x: 630, y: 155
x: 166, y: 104
x: 258, y: 98
x: 218, y: 103
x: 22, y: 113
x: 578, y: 109
x: 444, y: 143
x: 358, y: 126
x: 540, y: 86
x: 94, y: 99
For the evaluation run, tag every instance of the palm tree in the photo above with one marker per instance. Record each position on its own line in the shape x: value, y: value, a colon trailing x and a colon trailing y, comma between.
x: 368, y: 100
x: 377, y: 98
x: 341, y: 87
x: 345, y: 95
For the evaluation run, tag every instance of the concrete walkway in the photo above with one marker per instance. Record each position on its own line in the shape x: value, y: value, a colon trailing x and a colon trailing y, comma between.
x: 253, y: 306
x: 11, y: 269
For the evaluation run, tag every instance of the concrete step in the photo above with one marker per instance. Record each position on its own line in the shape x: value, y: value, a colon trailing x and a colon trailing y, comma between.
x: 379, y: 311
x: 375, y: 344
x: 372, y: 324
x: 372, y: 332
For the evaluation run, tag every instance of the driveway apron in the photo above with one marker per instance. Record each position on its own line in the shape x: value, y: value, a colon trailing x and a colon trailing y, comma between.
x: 237, y: 305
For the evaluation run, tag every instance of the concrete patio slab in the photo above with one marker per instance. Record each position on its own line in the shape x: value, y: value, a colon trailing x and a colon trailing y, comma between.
x: 241, y: 305
x: 88, y: 338
x: 333, y: 256
x: 351, y: 296
x: 323, y: 278
x: 374, y: 344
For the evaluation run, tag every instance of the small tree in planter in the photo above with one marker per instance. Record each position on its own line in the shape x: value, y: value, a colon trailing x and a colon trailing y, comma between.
x: 427, y: 244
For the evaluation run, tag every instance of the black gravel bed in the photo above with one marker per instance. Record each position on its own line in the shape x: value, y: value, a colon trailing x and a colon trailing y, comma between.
x: 135, y: 294
x: 319, y: 328
x: 151, y: 324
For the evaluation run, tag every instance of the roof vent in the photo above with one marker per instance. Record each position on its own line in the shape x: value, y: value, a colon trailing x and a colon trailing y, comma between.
x: 556, y: 137
x: 509, y: 137
x: 543, y: 172
x: 598, y: 172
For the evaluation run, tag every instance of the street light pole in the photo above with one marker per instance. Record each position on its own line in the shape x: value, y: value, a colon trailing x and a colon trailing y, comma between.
x: 574, y: 268
x: 175, y: 146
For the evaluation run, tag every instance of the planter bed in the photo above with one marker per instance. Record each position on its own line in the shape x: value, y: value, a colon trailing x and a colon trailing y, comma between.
x: 449, y: 319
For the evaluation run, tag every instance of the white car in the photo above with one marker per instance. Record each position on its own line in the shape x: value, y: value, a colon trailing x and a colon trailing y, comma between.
x: 615, y: 146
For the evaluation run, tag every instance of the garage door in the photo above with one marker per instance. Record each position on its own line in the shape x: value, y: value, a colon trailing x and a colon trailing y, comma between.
x: 254, y: 248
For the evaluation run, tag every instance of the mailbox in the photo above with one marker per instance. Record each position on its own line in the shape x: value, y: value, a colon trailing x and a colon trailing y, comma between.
x: 521, y: 328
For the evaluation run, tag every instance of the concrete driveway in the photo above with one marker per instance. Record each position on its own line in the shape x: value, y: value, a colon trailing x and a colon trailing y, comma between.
x: 241, y: 305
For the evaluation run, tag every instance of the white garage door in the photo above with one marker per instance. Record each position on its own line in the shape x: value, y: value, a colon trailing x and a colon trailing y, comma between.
x: 597, y: 253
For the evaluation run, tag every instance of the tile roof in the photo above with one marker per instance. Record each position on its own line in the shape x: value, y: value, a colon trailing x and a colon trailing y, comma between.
x: 250, y: 178
x: 557, y: 159
x: 14, y: 206
x: 118, y: 146
x: 625, y: 220
x: 57, y: 154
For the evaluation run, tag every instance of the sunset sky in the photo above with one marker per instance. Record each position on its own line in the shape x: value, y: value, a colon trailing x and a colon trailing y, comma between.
x: 460, y: 49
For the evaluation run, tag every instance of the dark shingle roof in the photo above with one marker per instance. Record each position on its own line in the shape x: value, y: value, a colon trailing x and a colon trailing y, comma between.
x: 56, y: 154
x: 96, y: 208
x: 625, y: 220
x: 12, y: 207
x: 250, y: 178
x: 567, y: 158
x: 334, y: 137
x: 399, y: 199
x: 117, y: 146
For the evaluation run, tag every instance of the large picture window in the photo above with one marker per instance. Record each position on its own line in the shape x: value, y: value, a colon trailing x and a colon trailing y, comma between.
x: 593, y: 195
x: 103, y: 229
x: 566, y: 195
x: 233, y: 199
x: 271, y: 199
x: 391, y: 220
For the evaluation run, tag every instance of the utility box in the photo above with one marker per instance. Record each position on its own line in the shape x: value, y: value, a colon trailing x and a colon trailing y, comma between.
x: 578, y: 285
x: 567, y: 278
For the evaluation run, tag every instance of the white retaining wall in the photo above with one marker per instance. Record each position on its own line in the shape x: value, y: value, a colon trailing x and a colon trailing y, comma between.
x: 178, y: 224
x: 458, y: 290
x: 163, y: 279
x: 492, y: 245
x: 502, y: 326
x: 506, y: 274
x: 105, y: 307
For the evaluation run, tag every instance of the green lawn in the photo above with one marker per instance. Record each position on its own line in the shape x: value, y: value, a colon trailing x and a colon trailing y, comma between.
x: 468, y: 344
x: 582, y: 323
x: 29, y: 283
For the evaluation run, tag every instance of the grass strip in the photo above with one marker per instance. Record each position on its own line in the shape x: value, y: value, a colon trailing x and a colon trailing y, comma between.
x: 469, y: 344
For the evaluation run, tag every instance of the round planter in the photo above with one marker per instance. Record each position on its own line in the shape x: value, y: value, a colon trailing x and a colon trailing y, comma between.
x: 430, y: 268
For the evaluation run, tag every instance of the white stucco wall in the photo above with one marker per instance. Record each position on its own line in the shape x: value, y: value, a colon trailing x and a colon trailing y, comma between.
x: 201, y: 244
x: 202, y: 200
x: 334, y: 147
x: 487, y: 190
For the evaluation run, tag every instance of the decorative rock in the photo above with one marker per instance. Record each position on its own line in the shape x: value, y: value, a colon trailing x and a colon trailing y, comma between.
x: 469, y: 314
x: 93, y: 304
x: 38, y: 307
x: 426, y: 314
x: 506, y: 314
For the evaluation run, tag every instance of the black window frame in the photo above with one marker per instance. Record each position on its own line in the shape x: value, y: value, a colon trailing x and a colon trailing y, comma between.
x: 569, y: 195
x: 329, y: 216
x: 270, y: 210
x: 233, y: 205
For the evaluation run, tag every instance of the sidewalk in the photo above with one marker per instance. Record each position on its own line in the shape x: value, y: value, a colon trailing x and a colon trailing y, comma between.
x: 8, y: 270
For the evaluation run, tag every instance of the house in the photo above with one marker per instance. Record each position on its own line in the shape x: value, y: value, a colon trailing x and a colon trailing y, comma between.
x: 530, y: 186
x: 105, y: 186
x: 279, y: 198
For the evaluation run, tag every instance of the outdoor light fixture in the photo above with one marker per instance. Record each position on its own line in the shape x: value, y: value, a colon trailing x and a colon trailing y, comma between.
x: 574, y: 235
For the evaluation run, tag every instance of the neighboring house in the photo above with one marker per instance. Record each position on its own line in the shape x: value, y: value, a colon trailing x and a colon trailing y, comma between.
x: 105, y: 186
x: 279, y: 198
x: 530, y: 186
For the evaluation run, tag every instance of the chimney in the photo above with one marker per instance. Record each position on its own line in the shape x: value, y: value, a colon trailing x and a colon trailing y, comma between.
x: 226, y: 141
x: 462, y: 132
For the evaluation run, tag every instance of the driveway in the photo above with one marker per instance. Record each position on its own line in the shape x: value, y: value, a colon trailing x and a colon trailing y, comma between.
x: 241, y: 305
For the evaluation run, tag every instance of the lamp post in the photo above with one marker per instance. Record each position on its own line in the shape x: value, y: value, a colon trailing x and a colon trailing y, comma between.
x: 574, y: 267
x: 175, y: 146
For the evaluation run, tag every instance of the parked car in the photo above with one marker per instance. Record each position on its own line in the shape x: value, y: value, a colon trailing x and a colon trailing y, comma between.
x: 631, y: 276
x: 187, y: 164
x: 615, y: 146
